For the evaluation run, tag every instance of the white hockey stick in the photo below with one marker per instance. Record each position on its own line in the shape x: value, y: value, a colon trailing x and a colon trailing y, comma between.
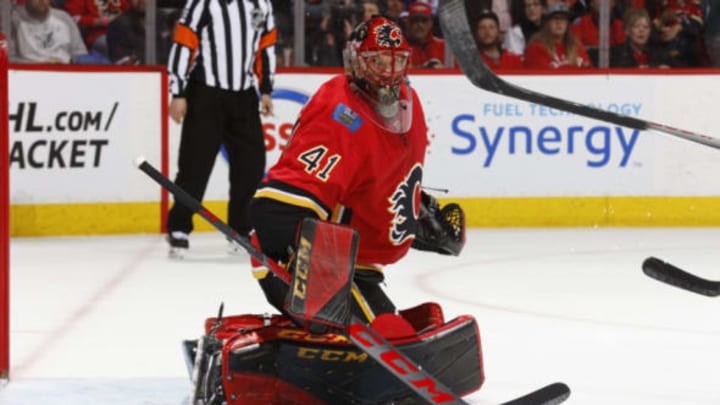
x: 457, y: 33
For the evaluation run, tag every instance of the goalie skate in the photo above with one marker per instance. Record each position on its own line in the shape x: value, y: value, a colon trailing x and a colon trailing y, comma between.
x: 203, y: 358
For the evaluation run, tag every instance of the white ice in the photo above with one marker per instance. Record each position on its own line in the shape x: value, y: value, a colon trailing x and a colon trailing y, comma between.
x: 99, y: 320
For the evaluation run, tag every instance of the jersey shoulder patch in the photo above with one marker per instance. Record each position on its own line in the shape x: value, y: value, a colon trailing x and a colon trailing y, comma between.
x: 347, y: 117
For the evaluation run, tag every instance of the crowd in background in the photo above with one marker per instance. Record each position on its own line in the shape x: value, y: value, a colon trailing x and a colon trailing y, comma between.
x: 510, y: 34
x: 87, y: 31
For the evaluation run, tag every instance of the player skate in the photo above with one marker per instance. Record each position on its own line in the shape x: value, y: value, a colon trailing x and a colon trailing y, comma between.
x: 178, y: 244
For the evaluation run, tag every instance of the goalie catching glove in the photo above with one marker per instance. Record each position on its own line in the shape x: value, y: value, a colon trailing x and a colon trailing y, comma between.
x: 440, y: 230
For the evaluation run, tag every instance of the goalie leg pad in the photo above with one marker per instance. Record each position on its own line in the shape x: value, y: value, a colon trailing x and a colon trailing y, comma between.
x: 270, y: 361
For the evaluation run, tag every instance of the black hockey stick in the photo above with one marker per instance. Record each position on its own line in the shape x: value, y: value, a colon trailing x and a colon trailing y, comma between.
x: 457, y: 33
x: 552, y: 394
x: 366, y: 339
x: 669, y: 274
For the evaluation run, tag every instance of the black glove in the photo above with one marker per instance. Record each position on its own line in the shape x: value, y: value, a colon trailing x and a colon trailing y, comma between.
x: 440, y: 230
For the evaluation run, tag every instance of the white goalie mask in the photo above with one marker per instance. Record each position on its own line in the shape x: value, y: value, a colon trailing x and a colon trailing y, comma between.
x: 376, y: 58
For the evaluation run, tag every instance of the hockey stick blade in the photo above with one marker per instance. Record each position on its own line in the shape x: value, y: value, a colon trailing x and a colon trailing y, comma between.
x: 367, y: 340
x: 675, y: 276
x: 455, y: 28
x: 552, y: 394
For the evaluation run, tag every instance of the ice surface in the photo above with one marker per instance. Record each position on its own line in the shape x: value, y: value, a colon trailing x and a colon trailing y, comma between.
x: 99, y: 320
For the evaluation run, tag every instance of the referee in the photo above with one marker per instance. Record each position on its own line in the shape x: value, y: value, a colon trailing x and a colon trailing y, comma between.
x: 223, y: 54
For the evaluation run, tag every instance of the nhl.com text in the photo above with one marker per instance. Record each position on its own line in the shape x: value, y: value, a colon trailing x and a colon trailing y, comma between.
x: 70, y: 139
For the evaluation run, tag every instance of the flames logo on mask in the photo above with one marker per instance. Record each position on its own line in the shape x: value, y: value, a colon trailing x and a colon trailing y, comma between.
x: 388, y: 36
x: 405, y: 206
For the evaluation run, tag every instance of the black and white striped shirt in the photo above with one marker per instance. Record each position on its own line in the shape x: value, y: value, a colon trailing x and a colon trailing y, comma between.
x: 228, y: 44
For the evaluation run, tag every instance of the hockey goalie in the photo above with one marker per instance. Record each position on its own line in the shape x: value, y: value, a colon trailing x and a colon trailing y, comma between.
x: 344, y: 199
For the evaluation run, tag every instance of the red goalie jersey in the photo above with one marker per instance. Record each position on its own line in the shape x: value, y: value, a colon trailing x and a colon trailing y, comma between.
x: 362, y: 175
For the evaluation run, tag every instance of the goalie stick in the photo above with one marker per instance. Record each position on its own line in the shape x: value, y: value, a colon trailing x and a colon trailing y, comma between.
x: 457, y: 33
x: 667, y: 273
x: 366, y: 339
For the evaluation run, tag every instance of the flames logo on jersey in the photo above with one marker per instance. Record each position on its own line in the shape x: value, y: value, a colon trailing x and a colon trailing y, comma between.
x: 405, y: 206
x: 388, y: 36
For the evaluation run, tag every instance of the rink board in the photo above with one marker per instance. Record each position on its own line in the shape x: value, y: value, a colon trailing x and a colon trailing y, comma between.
x: 510, y: 163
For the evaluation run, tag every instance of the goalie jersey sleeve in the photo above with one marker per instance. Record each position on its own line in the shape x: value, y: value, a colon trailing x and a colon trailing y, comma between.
x: 343, y: 167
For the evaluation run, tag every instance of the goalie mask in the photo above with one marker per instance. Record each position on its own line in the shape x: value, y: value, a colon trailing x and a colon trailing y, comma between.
x: 376, y: 58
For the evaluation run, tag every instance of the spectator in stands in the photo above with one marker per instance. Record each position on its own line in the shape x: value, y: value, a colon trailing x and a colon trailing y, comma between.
x: 370, y: 8
x: 328, y: 25
x: 393, y: 9
x: 42, y: 34
x: 637, y: 51
x: 690, y: 12
x: 126, y: 36
x: 555, y: 46
x: 320, y: 47
x: 579, y: 8
x: 487, y: 35
x: 622, y: 6
x: 93, y: 17
x: 501, y: 9
x: 284, y: 22
x: 711, y: 11
x: 428, y: 51
x: 680, y: 38
x: 586, y: 28
x: 530, y: 22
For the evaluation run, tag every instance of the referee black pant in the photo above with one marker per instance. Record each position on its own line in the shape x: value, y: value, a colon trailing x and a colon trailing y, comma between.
x: 218, y: 117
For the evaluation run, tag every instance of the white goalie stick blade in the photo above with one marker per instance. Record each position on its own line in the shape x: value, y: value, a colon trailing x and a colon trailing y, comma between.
x: 552, y: 394
x: 457, y: 33
x: 675, y: 276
